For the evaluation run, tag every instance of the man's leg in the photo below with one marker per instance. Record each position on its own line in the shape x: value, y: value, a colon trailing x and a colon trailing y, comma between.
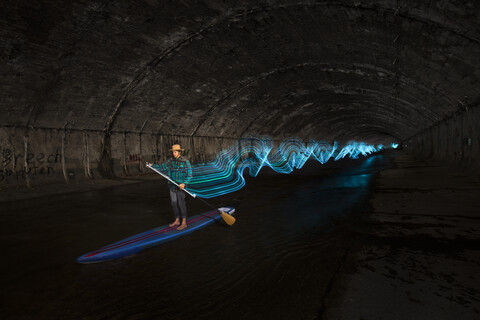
x: 183, y: 209
x: 174, y: 201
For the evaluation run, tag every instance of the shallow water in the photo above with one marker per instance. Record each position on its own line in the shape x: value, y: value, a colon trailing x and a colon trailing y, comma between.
x: 275, y: 262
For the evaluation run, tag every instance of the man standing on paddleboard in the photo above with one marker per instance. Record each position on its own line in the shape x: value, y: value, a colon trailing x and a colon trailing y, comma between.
x: 179, y: 170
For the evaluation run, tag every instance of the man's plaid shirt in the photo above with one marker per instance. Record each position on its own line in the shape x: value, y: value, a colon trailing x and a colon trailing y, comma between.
x: 179, y: 170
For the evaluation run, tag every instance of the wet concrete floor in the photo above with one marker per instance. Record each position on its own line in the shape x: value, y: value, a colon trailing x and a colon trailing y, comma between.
x: 307, y: 245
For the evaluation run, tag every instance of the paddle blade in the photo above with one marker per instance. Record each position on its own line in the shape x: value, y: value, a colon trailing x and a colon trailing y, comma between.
x: 228, y: 218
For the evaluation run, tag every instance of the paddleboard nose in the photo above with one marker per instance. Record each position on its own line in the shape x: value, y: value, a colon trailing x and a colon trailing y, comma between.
x: 228, y: 210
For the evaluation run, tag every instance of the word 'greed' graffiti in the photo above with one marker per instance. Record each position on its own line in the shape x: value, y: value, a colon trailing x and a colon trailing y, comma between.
x: 19, y: 166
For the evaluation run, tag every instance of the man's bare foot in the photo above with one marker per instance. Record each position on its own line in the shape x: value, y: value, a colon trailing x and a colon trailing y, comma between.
x: 182, y: 226
x: 175, y: 223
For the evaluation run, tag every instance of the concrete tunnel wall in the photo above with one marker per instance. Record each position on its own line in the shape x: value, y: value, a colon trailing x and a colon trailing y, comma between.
x: 42, y: 156
x: 90, y: 87
x: 455, y: 141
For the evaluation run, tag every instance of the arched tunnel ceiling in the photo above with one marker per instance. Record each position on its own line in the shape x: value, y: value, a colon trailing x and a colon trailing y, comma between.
x: 379, y: 70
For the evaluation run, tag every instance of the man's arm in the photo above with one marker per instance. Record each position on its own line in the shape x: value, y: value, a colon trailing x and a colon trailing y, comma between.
x: 161, y: 167
x: 189, y: 172
x: 188, y: 175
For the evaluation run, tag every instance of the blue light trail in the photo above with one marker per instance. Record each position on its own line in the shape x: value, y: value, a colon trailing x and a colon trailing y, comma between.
x: 225, y: 174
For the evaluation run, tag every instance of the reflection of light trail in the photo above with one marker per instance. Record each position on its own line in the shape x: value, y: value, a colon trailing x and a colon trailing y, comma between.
x: 225, y: 173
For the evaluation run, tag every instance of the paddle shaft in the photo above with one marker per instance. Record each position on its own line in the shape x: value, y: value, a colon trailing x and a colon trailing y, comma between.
x: 168, y: 178
x: 226, y: 217
x: 192, y: 194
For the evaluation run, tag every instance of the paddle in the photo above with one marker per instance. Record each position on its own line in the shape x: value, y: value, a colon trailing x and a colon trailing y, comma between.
x: 225, y: 216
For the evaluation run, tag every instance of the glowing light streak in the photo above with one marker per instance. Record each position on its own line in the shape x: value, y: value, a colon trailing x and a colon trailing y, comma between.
x: 225, y: 174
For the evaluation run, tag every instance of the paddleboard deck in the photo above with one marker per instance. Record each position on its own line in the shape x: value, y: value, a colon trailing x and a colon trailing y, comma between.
x: 147, y: 239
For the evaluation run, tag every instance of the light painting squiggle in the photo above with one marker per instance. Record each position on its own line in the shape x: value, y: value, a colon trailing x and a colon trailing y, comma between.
x: 225, y: 174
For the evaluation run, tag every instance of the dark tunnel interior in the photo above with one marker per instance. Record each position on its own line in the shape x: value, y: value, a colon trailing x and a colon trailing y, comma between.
x: 92, y: 90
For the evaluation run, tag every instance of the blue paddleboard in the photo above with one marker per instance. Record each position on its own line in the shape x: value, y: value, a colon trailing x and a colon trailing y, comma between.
x: 137, y: 243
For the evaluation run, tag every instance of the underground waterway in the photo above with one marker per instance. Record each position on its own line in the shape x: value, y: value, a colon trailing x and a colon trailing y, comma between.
x: 276, y: 262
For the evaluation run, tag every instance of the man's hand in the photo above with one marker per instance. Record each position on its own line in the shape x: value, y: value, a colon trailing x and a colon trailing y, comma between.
x: 182, y: 186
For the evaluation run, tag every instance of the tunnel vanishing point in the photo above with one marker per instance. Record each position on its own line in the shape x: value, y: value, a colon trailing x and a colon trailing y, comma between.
x: 96, y: 88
